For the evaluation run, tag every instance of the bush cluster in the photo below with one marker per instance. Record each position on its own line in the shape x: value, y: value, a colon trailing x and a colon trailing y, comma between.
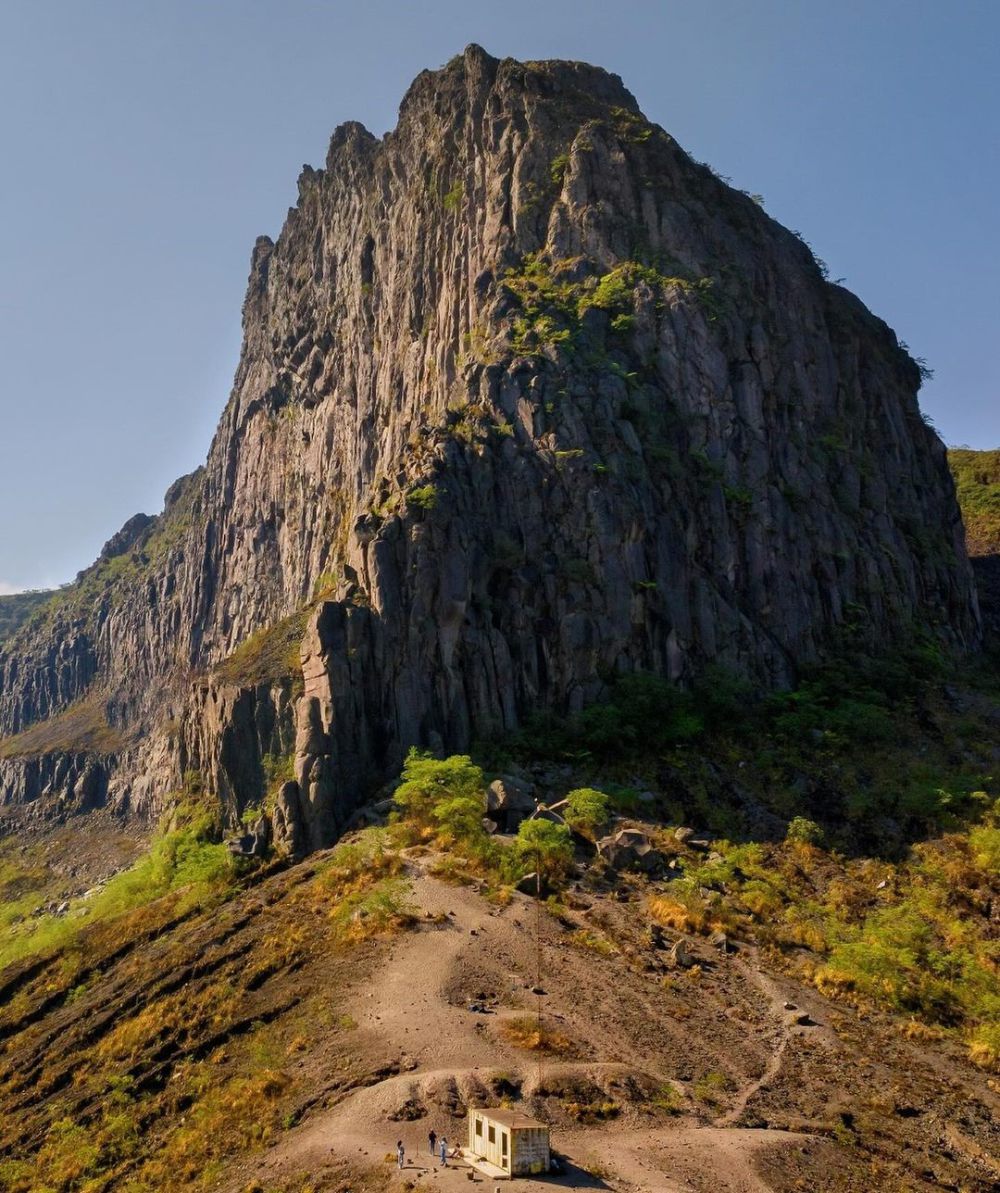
x: 444, y: 800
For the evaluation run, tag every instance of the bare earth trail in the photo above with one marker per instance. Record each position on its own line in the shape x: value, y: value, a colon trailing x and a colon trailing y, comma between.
x: 776, y: 1002
x: 443, y: 1049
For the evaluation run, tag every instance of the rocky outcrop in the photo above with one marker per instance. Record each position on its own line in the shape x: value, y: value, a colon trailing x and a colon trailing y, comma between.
x: 631, y: 849
x: 128, y: 537
x: 56, y: 783
x: 527, y: 397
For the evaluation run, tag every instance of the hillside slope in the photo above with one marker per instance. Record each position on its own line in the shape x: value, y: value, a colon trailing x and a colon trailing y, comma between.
x: 281, y: 1030
x: 527, y: 399
x: 977, y: 484
x: 16, y: 608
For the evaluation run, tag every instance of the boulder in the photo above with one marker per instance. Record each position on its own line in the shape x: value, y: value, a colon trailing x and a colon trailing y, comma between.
x: 256, y: 842
x: 508, y: 801
x: 631, y: 849
x: 241, y: 846
x: 528, y: 885
x: 654, y: 936
x: 681, y: 956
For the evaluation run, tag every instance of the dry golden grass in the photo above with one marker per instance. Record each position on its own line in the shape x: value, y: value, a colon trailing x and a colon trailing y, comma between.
x: 688, y: 915
x: 178, y: 1012
x: 913, y: 1029
x: 241, y: 1114
x: 528, y: 1032
x: 592, y: 1112
x: 80, y: 729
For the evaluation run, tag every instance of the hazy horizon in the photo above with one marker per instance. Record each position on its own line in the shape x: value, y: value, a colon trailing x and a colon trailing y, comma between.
x: 147, y: 146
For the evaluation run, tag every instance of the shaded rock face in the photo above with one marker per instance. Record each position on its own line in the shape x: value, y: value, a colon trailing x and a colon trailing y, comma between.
x: 55, y: 783
x: 527, y: 397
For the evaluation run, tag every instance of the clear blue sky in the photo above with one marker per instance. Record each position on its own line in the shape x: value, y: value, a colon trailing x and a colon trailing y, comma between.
x: 146, y: 143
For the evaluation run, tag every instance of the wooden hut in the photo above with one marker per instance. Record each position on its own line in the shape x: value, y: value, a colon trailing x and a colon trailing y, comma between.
x: 509, y: 1141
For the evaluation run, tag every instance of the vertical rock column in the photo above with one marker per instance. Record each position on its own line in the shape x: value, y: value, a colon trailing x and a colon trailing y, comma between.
x: 314, y: 760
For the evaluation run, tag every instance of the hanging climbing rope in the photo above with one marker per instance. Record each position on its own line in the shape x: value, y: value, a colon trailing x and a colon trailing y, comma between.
x: 550, y: 812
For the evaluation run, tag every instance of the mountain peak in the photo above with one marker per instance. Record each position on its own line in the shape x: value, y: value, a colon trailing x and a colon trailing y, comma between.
x: 527, y: 399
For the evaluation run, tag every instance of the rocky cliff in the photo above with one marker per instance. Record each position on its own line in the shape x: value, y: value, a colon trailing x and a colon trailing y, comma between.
x: 527, y: 397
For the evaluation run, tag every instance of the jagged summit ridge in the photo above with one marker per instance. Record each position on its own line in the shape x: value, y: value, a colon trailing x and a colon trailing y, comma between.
x: 527, y: 397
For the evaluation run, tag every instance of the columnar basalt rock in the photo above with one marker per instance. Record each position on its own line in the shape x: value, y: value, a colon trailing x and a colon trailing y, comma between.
x: 527, y: 397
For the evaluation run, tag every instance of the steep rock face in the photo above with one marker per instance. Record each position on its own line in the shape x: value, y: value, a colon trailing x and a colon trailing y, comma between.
x: 527, y: 397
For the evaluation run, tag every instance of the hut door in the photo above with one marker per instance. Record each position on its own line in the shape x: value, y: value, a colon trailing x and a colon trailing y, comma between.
x: 503, y: 1149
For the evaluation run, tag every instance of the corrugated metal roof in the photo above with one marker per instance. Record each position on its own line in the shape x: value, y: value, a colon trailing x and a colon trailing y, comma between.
x: 508, y: 1118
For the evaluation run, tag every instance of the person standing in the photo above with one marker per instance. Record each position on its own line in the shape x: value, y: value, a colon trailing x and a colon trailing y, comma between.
x: 444, y: 1151
x: 400, y: 1153
x: 432, y: 1139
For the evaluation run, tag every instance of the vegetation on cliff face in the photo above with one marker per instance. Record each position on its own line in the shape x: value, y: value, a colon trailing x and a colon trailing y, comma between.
x: 267, y: 656
x: 16, y: 609
x: 977, y: 481
x: 80, y: 729
x: 556, y: 296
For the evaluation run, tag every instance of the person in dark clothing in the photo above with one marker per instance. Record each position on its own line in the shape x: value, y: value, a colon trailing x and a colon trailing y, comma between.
x: 432, y: 1139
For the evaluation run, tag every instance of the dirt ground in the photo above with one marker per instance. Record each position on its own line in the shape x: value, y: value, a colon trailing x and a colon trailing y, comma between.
x: 761, y: 1101
x: 716, y: 1076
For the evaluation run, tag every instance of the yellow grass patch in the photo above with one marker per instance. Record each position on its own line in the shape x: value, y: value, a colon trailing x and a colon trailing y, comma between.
x: 527, y: 1031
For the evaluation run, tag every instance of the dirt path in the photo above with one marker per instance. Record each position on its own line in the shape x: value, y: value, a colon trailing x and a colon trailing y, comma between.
x: 444, y: 1051
x: 408, y: 1006
x: 776, y: 1003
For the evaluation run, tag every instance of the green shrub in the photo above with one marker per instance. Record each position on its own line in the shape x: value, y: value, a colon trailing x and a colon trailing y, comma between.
x: 424, y: 497
x: 557, y: 168
x: 461, y: 816
x: 545, y: 847
x: 644, y: 714
x: 805, y: 832
x: 711, y: 1087
x: 586, y: 811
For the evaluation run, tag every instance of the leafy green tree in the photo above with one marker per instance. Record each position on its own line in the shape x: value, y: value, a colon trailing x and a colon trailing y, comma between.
x: 546, y: 847
x: 461, y: 817
x: 429, y: 782
x: 586, y: 811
